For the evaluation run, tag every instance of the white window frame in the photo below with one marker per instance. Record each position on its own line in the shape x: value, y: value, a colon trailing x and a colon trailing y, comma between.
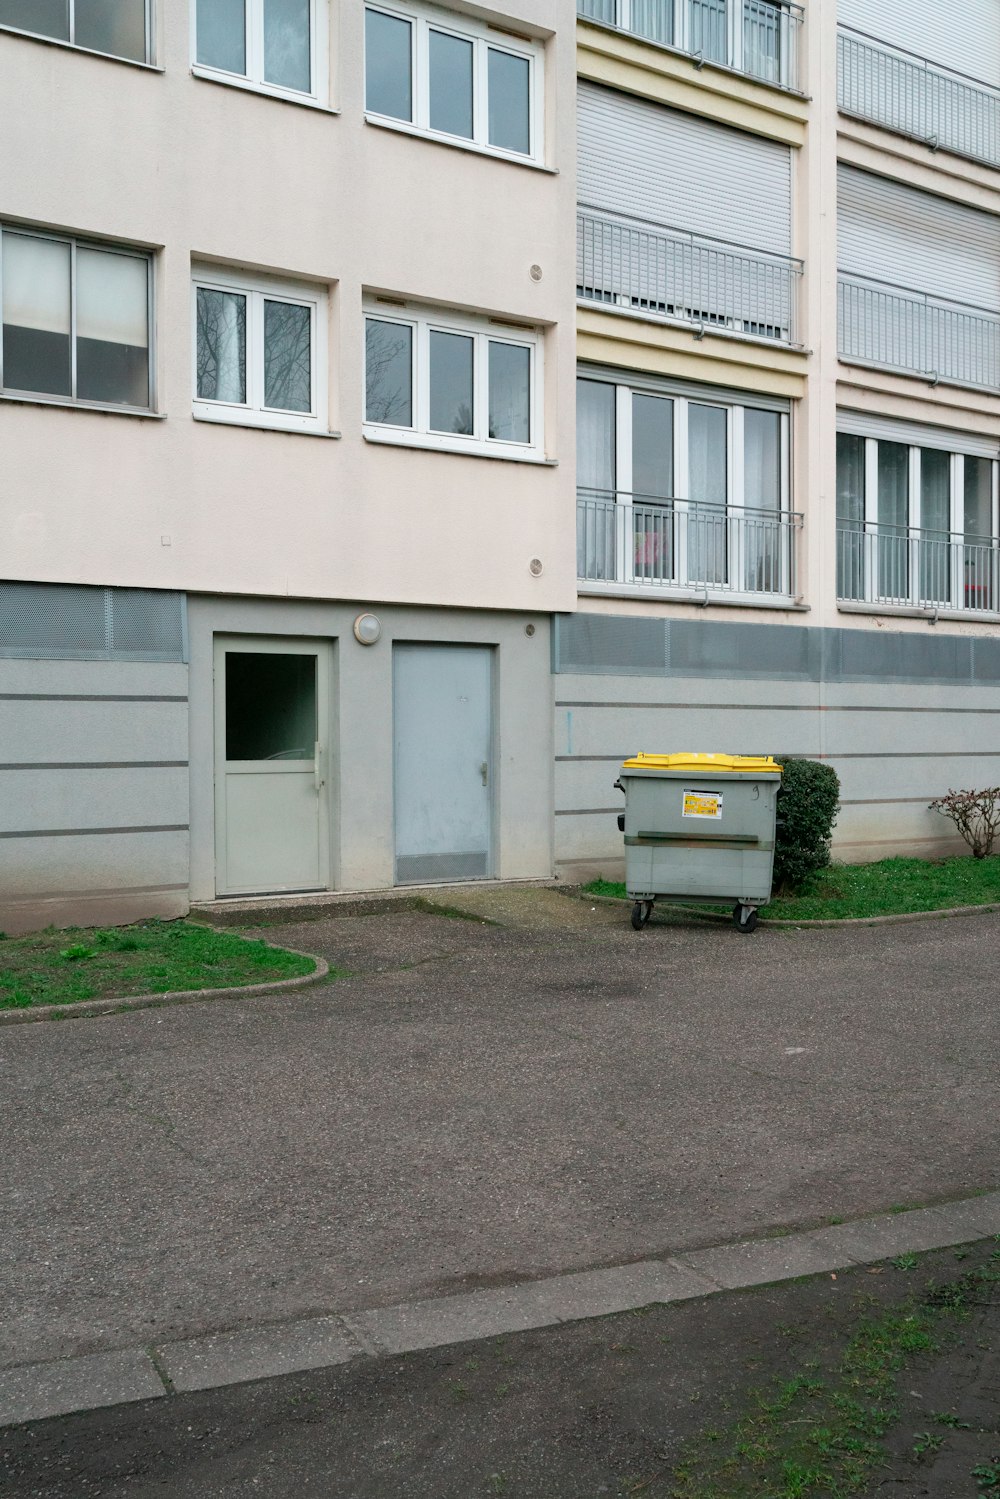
x: 149, y: 61
x: 483, y: 331
x: 76, y: 242
x: 253, y: 79
x: 257, y: 290
x: 425, y: 19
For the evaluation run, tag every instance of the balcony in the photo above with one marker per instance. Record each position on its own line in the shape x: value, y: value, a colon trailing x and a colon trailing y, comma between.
x: 914, y: 97
x: 894, y: 328
x: 669, y: 275
x: 753, y: 37
x: 684, y: 548
x: 927, y: 570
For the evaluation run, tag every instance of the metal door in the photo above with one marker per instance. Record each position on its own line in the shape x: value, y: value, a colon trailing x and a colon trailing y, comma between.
x: 271, y: 807
x: 443, y: 758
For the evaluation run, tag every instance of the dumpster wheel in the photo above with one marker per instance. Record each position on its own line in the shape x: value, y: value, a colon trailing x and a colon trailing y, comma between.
x: 745, y: 918
x: 641, y: 912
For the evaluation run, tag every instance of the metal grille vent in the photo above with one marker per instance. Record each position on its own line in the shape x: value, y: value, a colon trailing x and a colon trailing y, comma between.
x: 779, y: 652
x: 867, y: 656
x: 618, y: 644
x: 65, y: 621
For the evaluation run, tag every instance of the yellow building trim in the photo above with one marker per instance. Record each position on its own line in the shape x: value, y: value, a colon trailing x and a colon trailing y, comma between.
x: 913, y: 399
x: 671, y: 78
x: 660, y: 349
x: 909, y: 161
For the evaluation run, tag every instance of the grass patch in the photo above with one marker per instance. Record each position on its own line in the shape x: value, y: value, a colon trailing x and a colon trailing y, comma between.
x: 892, y: 887
x: 150, y: 957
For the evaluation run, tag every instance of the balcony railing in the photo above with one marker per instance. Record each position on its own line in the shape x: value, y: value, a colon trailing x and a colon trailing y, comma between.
x: 667, y: 273
x: 917, y: 569
x: 753, y: 37
x: 908, y: 94
x: 898, y: 329
x: 684, y: 546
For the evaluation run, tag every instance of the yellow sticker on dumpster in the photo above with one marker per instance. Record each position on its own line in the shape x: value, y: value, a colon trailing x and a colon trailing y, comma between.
x: 702, y: 804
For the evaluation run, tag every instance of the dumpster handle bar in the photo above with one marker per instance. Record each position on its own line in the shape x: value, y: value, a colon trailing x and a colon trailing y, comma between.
x: 728, y: 838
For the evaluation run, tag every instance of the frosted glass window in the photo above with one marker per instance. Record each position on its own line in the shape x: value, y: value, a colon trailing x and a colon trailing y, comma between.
x: 114, y: 26
x: 36, y: 315
x: 451, y: 84
x: 389, y: 373
x: 222, y: 41
x: 652, y: 448
x: 112, y: 341
x: 43, y: 17
x: 222, y: 346
x: 287, y: 357
x: 451, y: 361
x: 595, y: 435
x: 287, y: 61
x: 510, y: 392
x: 388, y: 67
x: 707, y: 453
x: 509, y: 101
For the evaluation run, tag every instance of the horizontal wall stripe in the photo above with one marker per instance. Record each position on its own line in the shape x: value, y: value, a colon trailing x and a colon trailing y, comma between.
x: 886, y: 801
x: 166, y: 827
x: 92, y: 697
x: 30, y: 896
x: 769, y: 707
x: 95, y: 765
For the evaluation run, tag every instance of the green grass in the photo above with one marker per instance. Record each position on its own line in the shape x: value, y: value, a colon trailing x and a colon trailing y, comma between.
x: 150, y: 957
x: 890, y: 887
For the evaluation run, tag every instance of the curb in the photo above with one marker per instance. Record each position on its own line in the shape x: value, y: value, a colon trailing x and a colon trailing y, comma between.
x: 85, y: 1008
x: 34, y: 1392
x: 789, y: 924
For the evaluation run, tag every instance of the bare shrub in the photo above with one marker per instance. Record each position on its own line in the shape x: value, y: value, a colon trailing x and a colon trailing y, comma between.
x: 976, y: 814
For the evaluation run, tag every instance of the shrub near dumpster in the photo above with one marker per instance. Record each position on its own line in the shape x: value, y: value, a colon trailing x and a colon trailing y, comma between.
x: 808, y: 803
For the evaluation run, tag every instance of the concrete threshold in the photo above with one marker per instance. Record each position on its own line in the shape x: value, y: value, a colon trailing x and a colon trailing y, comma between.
x: 33, y: 1392
x: 241, y: 910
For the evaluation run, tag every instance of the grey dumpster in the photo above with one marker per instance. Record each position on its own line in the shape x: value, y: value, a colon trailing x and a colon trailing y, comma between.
x: 699, y: 828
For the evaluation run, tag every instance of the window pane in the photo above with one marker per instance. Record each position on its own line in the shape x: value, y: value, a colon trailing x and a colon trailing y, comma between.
x: 595, y: 435
x: 115, y: 26
x: 893, y: 516
x: 707, y: 427
x: 979, y: 561
x: 389, y: 373
x: 222, y: 38
x: 850, y: 479
x: 36, y: 315
x: 977, y: 499
x: 510, y: 108
x: 761, y: 459
x: 935, y: 490
x: 44, y: 17
x: 112, y: 339
x: 510, y: 392
x: 287, y: 357
x: 222, y: 346
x: 652, y: 447
x: 270, y: 706
x: 451, y: 84
x: 707, y: 21
x: 451, y: 383
x: 286, y: 44
x: 388, y: 75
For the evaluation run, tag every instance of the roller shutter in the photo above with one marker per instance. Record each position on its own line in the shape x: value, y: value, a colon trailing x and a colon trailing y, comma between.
x: 676, y: 169
x: 966, y: 39
x: 890, y: 232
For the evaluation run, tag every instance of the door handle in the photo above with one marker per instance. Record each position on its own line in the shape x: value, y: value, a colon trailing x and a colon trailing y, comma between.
x: 484, y: 771
x: 317, y: 777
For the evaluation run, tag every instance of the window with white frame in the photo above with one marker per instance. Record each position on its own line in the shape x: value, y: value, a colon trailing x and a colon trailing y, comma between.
x: 917, y: 522
x: 76, y: 319
x: 681, y: 487
x: 121, y: 28
x: 270, y: 45
x: 440, y: 380
x: 259, y: 351
x: 448, y: 76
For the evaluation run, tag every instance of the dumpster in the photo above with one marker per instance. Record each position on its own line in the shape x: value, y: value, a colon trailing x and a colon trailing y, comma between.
x: 699, y: 828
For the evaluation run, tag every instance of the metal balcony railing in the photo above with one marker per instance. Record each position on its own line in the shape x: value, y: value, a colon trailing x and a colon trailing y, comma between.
x: 669, y: 545
x: 668, y: 273
x: 899, y: 329
x: 755, y: 37
x: 908, y: 94
x: 918, y: 569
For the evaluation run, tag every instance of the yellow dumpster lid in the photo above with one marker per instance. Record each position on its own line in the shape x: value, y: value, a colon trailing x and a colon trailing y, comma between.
x: 706, y: 764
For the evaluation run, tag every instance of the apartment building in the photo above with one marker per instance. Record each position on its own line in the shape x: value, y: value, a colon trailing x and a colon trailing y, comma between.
x: 788, y: 295
x: 287, y: 418
x: 409, y: 410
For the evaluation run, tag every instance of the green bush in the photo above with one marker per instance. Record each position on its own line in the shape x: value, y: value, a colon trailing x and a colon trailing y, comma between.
x: 808, y: 802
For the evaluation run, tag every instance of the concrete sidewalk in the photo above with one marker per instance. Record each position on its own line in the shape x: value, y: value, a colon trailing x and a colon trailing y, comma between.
x: 480, y: 1107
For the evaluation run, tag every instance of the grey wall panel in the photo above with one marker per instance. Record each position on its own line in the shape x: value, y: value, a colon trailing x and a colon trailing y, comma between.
x: 100, y: 862
x: 968, y: 41
x: 891, y: 232
x: 100, y: 798
x: 98, y: 730
x: 677, y: 169
x: 100, y: 678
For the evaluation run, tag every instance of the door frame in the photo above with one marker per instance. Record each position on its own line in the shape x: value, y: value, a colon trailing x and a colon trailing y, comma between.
x: 493, y: 830
x: 292, y: 645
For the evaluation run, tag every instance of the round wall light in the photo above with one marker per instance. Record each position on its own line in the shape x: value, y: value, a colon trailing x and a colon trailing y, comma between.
x: 367, y: 629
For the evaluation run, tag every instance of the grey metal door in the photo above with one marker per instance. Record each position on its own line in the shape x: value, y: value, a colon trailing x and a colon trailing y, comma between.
x: 442, y: 754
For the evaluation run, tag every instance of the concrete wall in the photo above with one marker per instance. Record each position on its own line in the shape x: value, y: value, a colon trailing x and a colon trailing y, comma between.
x: 93, y: 792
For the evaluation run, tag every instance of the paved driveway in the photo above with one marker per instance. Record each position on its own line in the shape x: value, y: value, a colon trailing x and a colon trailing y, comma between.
x: 480, y: 1104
